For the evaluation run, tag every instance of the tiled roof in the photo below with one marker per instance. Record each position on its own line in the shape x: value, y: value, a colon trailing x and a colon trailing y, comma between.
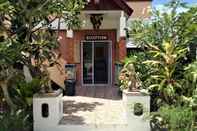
x: 109, y: 5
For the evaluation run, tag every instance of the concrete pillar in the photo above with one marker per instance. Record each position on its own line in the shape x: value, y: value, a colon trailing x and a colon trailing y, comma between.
x: 123, y: 22
x: 137, y: 122
x: 47, y: 110
x: 122, y: 52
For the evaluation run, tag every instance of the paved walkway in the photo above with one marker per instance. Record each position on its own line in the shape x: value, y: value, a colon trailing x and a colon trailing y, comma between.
x: 97, y: 108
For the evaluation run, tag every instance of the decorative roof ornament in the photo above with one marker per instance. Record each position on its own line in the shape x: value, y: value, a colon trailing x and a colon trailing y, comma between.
x: 96, y: 20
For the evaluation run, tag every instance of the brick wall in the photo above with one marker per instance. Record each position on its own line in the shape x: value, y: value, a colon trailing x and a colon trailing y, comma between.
x: 68, y: 51
x: 122, y: 52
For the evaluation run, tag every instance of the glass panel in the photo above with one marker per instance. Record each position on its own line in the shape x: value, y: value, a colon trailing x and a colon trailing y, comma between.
x: 87, y: 63
x: 101, y: 62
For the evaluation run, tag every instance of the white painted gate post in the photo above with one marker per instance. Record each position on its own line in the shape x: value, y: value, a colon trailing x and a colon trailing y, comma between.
x: 47, y: 110
x: 137, y: 122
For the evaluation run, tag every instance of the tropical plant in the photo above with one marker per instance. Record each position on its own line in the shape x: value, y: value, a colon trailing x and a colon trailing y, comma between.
x: 191, y: 75
x: 27, y: 40
x: 166, y: 38
x: 165, y: 60
x: 23, y: 92
x: 26, y: 35
x: 190, y: 86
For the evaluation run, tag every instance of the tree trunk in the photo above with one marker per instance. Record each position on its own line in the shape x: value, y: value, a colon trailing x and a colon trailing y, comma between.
x: 27, y: 74
x: 6, y: 95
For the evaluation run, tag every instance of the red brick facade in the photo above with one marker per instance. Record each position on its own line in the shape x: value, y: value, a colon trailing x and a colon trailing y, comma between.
x: 122, y: 52
x: 67, y: 46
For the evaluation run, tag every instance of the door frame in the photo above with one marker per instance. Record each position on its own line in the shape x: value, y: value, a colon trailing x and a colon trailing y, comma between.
x: 109, y: 43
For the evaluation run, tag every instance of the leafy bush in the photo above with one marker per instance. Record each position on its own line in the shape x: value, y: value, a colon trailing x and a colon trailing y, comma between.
x: 166, y: 38
x: 17, y: 121
x: 189, y: 97
x: 191, y: 75
x: 24, y: 91
x: 174, y: 119
x: 23, y: 39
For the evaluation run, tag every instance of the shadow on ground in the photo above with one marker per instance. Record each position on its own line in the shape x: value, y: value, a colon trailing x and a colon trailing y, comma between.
x: 72, y: 120
x: 71, y: 107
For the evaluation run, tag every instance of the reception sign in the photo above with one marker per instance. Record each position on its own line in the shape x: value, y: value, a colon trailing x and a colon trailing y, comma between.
x: 95, y: 37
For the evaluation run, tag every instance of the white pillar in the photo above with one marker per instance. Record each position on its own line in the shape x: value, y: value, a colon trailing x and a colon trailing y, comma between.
x: 122, y: 25
x: 137, y: 123
x: 55, y: 111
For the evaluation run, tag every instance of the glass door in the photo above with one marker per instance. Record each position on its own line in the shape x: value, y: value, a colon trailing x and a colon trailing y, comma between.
x: 96, y: 62
x: 101, y: 61
x: 87, y: 63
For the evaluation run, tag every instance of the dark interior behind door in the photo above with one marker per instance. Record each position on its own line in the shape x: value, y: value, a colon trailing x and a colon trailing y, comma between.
x: 101, y: 63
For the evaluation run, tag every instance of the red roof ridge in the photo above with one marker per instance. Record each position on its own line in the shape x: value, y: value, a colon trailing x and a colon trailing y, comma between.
x: 123, y: 5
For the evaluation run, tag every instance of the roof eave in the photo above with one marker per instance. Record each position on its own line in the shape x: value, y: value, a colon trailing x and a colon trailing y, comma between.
x: 124, y: 6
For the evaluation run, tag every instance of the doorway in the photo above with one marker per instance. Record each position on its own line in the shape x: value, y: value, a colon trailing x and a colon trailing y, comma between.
x: 96, y: 62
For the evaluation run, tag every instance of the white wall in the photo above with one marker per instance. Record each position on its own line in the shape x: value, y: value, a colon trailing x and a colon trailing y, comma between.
x: 111, y: 20
x: 51, y: 123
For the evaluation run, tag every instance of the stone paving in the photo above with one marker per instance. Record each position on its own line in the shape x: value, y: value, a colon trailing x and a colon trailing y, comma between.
x: 100, y: 108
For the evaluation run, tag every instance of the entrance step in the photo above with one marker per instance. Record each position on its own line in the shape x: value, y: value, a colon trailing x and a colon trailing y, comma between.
x: 93, y: 128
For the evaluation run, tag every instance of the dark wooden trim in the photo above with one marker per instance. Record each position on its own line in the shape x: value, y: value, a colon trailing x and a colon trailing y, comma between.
x: 124, y: 6
x: 110, y: 5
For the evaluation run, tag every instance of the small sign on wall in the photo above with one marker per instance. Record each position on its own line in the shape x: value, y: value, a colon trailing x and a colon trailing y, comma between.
x: 95, y: 37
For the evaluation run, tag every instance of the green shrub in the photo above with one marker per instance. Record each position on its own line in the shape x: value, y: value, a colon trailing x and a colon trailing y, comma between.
x: 16, y: 121
x: 166, y: 38
x: 174, y: 119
